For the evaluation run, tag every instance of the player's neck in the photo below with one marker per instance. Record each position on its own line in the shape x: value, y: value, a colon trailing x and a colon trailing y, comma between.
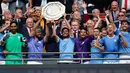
x: 13, y: 33
x: 95, y: 38
x: 110, y: 35
x: 124, y: 30
x: 35, y: 38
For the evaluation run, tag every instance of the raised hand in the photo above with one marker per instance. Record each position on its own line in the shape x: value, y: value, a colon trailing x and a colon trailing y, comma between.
x: 99, y: 18
x: 107, y: 15
x: 5, y: 52
x: 120, y: 35
x: 53, y: 22
x: 92, y: 44
x: 48, y: 21
x: 64, y: 15
x: 124, y: 42
x: 84, y: 5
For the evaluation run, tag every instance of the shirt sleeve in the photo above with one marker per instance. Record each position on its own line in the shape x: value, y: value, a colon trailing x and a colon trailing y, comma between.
x: 6, y: 39
x: 22, y: 42
x: 86, y: 17
x: 117, y: 31
x: 42, y: 40
x: 30, y: 37
x: 58, y: 40
x: 102, y: 40
x: 91, y: 37
x: 72, y: 38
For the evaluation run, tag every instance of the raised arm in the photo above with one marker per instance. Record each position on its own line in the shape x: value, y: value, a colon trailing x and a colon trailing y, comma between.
x: 54, y: 31
x: 75, y: 1
x: 47, y: 32
x: 68, y: 25
x: 4, y: 27
x: 86, y: 17
x: 123, y: 42
x: 98, y: 45
x: 99, y: 20
x: 34, y: 27
x: 107, y: 21
x: 110, y: 16
x: 30, y: 3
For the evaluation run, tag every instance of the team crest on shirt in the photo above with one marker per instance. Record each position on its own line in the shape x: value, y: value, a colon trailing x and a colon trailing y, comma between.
x: 39, y: 42
x: 115, y: 40
x: 19, y: 37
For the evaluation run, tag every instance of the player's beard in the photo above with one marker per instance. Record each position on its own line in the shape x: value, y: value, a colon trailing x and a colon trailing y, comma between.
x: 65, y: 36
x: 13, y: 31
x: 40, y: 38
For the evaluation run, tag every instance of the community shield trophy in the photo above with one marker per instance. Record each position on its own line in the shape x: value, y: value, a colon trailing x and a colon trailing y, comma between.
x: 53, y: 10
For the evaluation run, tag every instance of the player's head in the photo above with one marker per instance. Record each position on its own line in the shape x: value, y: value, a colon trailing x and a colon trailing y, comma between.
x: 13, y: 27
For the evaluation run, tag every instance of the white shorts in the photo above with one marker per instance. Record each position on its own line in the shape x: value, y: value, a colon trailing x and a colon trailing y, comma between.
x: 34, y: 62
x: 124, y: 61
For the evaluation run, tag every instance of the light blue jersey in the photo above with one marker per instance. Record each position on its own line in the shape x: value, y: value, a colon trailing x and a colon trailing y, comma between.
x: 94, y: 49
x: 35, y: 46
x: 110, y: 44
x: 66, y: 45
x: 126, y: 36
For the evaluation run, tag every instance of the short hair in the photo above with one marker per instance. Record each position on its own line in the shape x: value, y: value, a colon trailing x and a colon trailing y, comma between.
x: 124, y: 21
x: 104, y: 29
x: 93, y: 11
x: 75, y: 21
x: 38, y: 29
x: 121, y: 12
x: 17, y: 8
x: 124, y: 9
x: 3, y: 22
x: 95, y: 17
x: 74, y: 5
x: 13, y: 22
x: 115, y: 2
x: 111, y: 24
x: 64, y: 29
x: 84, y: 28
x: 28, y: 19
x: 98, y: 29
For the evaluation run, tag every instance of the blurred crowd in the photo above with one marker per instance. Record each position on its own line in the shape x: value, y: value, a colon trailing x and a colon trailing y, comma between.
x: 87, y: 26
